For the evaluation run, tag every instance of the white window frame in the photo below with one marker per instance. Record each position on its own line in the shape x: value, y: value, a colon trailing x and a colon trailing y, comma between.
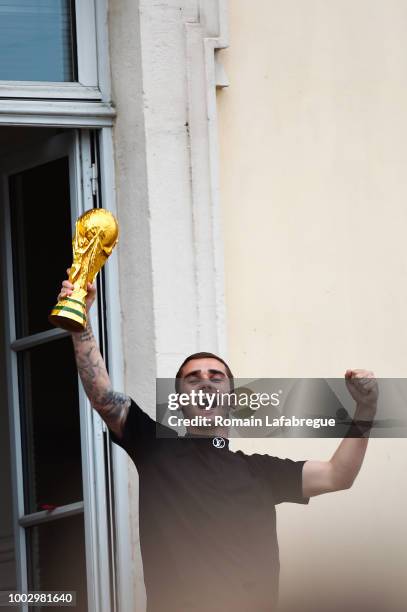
x: 87, y: 87
x: 97, y: 530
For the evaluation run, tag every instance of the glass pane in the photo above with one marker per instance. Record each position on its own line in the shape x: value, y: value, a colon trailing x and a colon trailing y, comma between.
x: 42, y: 241
x: 37, y: 40
x: 56, y: 559
x: 48, y: 385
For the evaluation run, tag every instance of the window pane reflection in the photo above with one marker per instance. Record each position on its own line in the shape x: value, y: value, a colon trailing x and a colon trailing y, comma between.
x: 56, y: 559
x: 50, y: 425
x: 42, y: 241
x: 37, y: 40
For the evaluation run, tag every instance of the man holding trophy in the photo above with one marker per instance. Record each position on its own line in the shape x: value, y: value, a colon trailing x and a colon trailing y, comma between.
x: 207, y: 514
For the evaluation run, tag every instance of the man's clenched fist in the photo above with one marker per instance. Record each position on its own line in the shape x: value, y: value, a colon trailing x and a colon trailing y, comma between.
x: 362, y: 385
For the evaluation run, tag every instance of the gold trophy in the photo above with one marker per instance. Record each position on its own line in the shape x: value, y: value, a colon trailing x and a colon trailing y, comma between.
x: 96, y: 234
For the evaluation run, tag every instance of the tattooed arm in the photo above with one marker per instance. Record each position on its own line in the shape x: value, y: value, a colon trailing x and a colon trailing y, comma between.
x: 112, y: 406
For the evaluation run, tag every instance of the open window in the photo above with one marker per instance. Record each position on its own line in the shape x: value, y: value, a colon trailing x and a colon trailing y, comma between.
x: 57, y: 454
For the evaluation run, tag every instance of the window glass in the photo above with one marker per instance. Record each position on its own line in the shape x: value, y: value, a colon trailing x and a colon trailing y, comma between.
x: 50, y: 425
x: 37, y: 40
x: 56, y: 559
x: 42, y: 241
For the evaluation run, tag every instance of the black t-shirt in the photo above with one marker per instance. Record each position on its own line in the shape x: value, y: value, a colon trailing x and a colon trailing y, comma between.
x: 207, y: 519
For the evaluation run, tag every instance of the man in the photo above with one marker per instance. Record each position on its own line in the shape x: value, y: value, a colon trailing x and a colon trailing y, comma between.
x: 207, y: 515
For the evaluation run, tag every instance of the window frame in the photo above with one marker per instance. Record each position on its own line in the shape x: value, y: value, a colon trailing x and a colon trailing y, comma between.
x: 76, y: 144
x: 87, y: 87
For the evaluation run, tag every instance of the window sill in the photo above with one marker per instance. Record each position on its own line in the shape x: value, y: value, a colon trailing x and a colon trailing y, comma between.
x: 54, y: 113
x: 45, y: 90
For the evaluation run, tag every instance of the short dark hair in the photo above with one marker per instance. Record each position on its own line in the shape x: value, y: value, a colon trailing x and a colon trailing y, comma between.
x: 204, y: 355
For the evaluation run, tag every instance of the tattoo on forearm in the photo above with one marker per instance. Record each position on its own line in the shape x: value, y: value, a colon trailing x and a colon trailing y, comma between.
x: 112, y: 406
x: 86, y: 335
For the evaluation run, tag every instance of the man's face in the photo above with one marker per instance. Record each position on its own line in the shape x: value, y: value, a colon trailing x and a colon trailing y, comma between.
x: 208, y: 376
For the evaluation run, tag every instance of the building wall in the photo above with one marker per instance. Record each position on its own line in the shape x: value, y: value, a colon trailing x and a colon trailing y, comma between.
x: 313, y: 147
x: 171, y: 283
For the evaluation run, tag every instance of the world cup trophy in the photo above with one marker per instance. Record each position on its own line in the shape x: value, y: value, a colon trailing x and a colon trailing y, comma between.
x: 96, y: 235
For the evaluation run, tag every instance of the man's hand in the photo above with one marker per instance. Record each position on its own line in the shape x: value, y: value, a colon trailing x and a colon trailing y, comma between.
x: 67, y: 288
x: 362, y: 385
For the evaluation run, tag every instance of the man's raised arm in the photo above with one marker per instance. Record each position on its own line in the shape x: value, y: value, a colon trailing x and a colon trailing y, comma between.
x: 111, y: 405
x: 340, y: 472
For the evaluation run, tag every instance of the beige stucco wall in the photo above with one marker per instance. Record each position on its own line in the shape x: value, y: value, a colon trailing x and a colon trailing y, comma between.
x: 313, y: 145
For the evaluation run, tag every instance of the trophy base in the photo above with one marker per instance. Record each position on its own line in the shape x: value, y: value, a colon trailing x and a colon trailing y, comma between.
x: 69, y: 314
